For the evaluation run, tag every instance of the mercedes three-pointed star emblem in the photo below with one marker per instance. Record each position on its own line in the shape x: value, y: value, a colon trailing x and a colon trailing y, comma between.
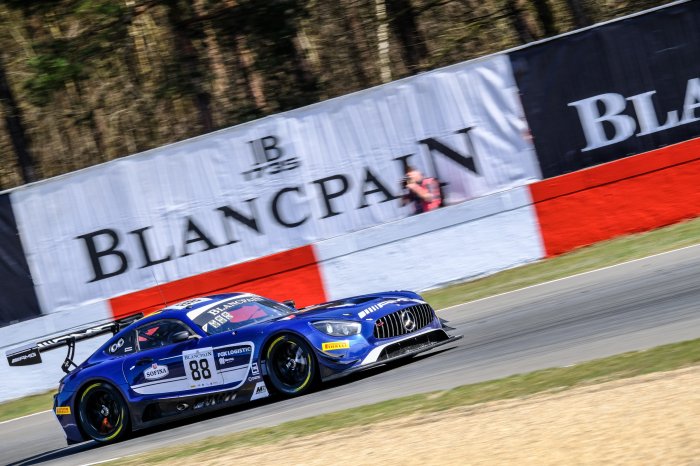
x: 408, y: 320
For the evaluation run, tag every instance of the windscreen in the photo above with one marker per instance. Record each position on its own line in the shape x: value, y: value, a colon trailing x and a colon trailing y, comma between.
x: 237, y: 312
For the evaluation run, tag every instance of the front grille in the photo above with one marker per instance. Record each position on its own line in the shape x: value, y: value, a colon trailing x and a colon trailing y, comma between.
x: 395, y: 324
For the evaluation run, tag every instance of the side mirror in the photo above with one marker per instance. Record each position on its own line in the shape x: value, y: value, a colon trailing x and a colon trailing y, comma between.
x: 289, y: 303
x: 180, y: 336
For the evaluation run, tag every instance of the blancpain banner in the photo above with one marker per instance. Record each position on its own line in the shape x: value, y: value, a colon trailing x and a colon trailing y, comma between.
x: 272, y: 184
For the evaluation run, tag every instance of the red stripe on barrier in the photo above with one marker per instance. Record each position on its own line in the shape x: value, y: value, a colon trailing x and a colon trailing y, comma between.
x: 631, y: 195
x: 292, y: 274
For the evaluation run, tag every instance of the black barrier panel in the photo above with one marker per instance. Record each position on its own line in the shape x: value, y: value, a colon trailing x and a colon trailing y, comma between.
x: 615, y: 90
x: 18, y: 299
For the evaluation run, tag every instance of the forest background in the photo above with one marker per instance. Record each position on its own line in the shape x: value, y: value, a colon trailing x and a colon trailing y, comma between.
x: 87, y: 81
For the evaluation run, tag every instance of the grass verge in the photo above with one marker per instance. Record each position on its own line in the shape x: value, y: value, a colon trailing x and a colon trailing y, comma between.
x: 590, y: 258
x: 27, y: 405
x: 662, y: 358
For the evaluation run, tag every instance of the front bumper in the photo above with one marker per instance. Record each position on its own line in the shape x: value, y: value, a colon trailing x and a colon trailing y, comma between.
x: 405, y: 347
x: 68, y: 421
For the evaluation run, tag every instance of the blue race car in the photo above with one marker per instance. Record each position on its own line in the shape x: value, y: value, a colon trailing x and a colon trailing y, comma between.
x: 216, y: 351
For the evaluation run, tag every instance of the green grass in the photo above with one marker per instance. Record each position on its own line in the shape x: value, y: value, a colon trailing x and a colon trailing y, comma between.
x: 27, y: 405
x: 590, y: 258
x: 593, y: 257
x: 662, y: 358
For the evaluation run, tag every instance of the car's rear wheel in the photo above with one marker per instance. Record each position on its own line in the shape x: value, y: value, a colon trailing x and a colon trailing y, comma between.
x: 291, y: 365
x: 103, y: 414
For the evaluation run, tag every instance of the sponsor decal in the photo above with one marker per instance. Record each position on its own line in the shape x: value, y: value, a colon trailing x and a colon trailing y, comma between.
x: 62, y: 410
x: 225, y: 357
x: 189, y: 303
x: 116, y: 345
x: 376, y: 307
x: 23, y: 357
x: 224, y: 361
x: 156, y: 372
x: 236, y: 351
x: 254, y: 369
x: 200, y: 368
x: 260, y: 391
x: 229, y: 304
x: 255, y: 378
x: 198, y: 354
x: 335, y: 345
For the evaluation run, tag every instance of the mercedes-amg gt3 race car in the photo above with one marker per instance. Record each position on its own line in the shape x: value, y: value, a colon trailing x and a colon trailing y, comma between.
x: 215, y: 351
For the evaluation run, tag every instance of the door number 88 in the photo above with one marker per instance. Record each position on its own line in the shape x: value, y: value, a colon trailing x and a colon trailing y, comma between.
x: 200, y: 369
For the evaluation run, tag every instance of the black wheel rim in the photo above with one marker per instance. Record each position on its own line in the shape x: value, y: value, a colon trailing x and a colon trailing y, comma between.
x: 292, y: 364
x: 102, y: 413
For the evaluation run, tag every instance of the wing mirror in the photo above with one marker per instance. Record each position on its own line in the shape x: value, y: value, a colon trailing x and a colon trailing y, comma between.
x: 178, y: 337
x: 289, y: 303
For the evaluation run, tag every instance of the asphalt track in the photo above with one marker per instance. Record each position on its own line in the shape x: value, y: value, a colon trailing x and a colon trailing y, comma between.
x: 632, y: 306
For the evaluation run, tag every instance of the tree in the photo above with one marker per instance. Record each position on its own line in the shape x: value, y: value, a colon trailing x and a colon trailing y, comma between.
x: 15, y: 127
x: 518, y: 21
x: 188, y: 74
x: 581, y: 18
x: 404, y: 22
x: 546, y: 17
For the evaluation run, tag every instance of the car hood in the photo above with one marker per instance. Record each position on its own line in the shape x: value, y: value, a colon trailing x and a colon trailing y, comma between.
x: 361, y: 307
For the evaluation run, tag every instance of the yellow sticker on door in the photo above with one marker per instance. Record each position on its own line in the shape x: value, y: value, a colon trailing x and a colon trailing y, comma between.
x: 62, y: 410
x: 335, y: 345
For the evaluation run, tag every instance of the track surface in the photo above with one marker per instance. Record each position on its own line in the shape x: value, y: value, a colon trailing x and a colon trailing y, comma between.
x: 632, y: 306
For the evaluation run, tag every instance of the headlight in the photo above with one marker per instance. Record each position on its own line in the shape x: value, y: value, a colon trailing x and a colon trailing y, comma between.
x: 338, y: 328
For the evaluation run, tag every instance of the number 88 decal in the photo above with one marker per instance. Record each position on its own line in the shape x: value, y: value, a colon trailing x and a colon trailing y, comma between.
x: 200, y: 369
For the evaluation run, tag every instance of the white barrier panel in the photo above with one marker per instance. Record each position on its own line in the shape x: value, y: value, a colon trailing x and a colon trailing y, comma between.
x: 478, y: 237
x: 271, y: 185
x: 29, y: 380
x: 43, y: 327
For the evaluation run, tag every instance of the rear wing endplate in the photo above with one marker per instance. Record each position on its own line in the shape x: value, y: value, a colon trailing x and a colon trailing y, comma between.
x: 31, y: 353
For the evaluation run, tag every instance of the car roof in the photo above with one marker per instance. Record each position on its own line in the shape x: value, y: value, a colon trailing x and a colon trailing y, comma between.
x: 180, y: 309
x: 201, y: 301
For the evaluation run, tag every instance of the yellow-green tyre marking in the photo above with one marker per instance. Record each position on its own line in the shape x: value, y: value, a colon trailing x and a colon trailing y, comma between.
x: 290, y: 376
x: 101, y: 400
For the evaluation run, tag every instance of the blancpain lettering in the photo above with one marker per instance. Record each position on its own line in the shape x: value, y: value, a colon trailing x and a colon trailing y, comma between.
x: 613, y: 105
x: 113, y: 250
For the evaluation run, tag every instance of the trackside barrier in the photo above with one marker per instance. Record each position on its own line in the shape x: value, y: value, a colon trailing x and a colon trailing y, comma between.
x: 631, y: 195
x: 478, y: 237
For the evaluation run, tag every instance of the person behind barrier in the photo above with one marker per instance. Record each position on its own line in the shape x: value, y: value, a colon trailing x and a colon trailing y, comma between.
x: 422, y: 192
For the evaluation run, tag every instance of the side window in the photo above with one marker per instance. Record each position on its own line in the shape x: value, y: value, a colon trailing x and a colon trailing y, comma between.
x: 123, y: 345
x: 159, y: 333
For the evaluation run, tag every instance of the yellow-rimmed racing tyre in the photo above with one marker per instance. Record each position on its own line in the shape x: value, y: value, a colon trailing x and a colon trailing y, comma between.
x: 291, y: 365
x: 102, y: 413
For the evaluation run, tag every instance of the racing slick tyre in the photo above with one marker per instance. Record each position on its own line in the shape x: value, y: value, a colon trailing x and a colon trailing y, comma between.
x: 102, y: 413
x: 291, y: 365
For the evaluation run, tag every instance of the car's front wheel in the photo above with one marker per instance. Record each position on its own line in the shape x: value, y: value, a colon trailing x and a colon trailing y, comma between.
x: 291, y: 365
x: 103, y: 414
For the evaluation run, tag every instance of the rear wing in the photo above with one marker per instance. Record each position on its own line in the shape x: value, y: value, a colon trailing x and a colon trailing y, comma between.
x: 31, y: 353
